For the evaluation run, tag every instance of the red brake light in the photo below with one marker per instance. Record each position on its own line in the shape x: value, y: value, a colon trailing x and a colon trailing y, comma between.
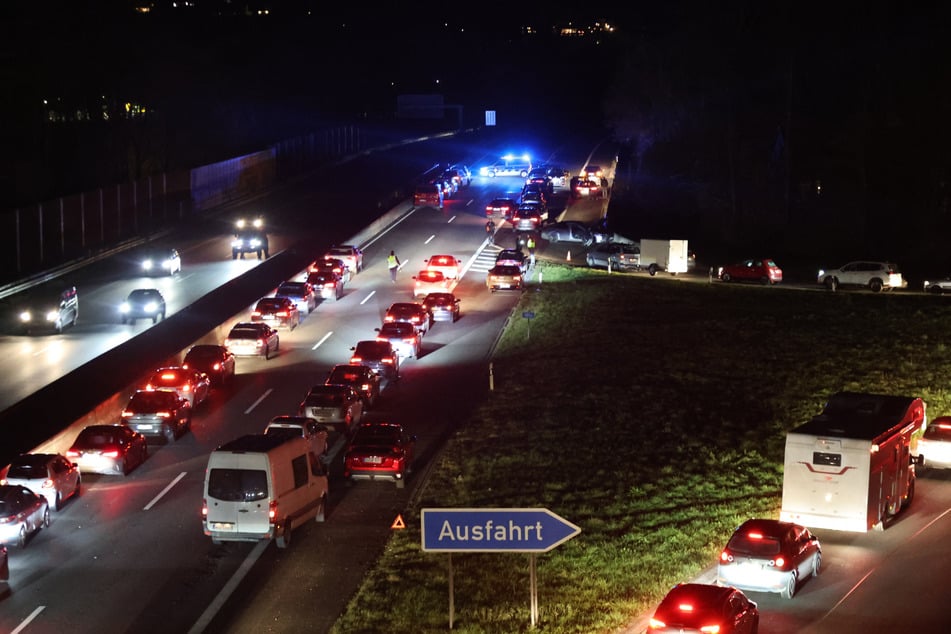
x: 72, y: 453
x: 187, y: 387
x: 168, y: 376
x: 204, y: 509
x: 163, y: 414
x: 685, y: 607
x: 256, y: 313
x: 111, y: 454
x: 216, y: 367
x: 755, y: 535
x: 656, y: 624
x: 780, y: 562
x: 47, y: 484
x: 725, y: 557
x: 126, y: 413
x: 355, y: 360
x: 272, y: 512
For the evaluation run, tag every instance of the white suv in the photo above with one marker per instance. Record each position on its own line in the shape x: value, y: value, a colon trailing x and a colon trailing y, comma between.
x: 875, y: 276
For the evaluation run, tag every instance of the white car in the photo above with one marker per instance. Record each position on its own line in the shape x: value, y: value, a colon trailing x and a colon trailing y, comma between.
x: 161, y: 262
x: 938, y: 286
x: 934, y: 447
x: 48, y: 474
x: 448, y: 265
x: 429, y: 281
x: 875, y: 276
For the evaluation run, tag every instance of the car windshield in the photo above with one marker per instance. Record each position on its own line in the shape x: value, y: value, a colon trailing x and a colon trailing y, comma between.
x: 939, y: 431
x: 150, y: 401
x: 96, y: 438
x: 372, y: 349
x: 439, y: 300
x: 270, y: 305
x: 376, y: 436
x: 203, y: 353
x: 340, y: 251
x: 397, y: 330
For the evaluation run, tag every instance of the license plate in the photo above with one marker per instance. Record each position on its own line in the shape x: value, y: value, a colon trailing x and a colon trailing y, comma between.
x: 504, y: 285
x: 223, y: 526
x: 145, y: 427
x: 373, y: 460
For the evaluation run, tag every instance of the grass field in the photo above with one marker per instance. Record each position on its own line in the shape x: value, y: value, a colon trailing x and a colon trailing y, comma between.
x: 650, y: 412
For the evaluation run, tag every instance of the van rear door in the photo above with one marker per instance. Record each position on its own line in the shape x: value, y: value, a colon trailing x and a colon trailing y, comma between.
x: 238, y: 494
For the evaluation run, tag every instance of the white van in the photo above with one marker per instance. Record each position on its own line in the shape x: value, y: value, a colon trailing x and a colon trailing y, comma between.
x: 262, y: 487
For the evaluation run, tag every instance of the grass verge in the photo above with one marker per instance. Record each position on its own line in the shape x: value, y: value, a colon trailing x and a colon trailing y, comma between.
x: 651, y: 412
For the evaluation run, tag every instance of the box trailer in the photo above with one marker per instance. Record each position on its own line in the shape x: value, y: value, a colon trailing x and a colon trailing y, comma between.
x: 671, y: 256
x: 851, y: 468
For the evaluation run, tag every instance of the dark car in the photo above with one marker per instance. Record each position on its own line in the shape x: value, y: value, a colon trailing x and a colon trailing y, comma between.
x: 108, y: 449
x: 160, y: 261
x: 528, y: 217
x: 411, y: 312
x: 585, y: 188
x: 326, y: 284
x: 767, y: 555
x: 699, y: 607
x: 215, y: 361
x: 379, y: 356
x: 158, y: 414
x: 360, y: 377
x: 142, y: 303
x: 249, y: 237
x: 760, y: 270
x: 253, y: 339
x: 501, y: 207
x: 379, y: 451
x: 48, y: 308
x: 333, y: 265
x: 442, y: 306
x: 301, y: 293
x: 534, y: 192
x: 22, y: 513
x: 568, y: 231
x: 539, y: 176
x: 279, y: 312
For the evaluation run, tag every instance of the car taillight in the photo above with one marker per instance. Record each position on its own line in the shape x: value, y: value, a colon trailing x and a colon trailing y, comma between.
x: 710, y: 629
x: 365, y: 387
x: 163, y: 414
x: 726, y: 557
x: 126, y: 413
x: 72, y: 453
x: 388, y: 360
x: 114, y: 453
x: 415, y: 320
x: 656, y: 624
x: 355, y: 360
x: 187, y: 387
x: 259, y: 343
x: 256, y: 313
x: 204, y: 509
x: 216, y: 367
x: 382, y: 339
x: 281, y: 313
x: 388, y: 318
x: 779, y: 562
x: 272, y: 512
x: 149, y: 387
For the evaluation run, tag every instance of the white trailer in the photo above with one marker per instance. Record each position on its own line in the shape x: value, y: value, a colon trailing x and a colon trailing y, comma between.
x: 850, y: 468
x: 671, y: 256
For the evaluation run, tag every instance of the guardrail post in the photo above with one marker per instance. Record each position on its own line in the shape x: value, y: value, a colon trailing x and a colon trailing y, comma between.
x: 491, y: 378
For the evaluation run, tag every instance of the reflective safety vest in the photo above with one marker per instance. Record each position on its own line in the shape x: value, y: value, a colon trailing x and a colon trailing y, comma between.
x: 391, y: 262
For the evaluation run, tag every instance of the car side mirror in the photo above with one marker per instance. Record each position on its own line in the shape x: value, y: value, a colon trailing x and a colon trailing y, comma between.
x: 376, y: 329
x: 918, y: 461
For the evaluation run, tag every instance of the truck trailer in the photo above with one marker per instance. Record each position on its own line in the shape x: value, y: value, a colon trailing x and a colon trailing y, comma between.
x: 671, y: 256
x: 851, y: 468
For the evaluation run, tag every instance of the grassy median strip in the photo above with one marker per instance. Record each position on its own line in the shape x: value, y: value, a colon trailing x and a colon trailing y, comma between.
x: 651, y: 412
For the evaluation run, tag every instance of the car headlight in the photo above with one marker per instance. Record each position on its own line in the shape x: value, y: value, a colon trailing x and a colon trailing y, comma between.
x: 236, y: 243
x: 124, y: 307
x: 26, y: 316
x: 52, y: 315
x: 147, y: 265
x: 255, y: 243
x: 150, y: 307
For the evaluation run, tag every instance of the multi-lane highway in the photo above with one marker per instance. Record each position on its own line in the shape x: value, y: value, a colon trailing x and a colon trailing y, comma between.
x: 130, y: 556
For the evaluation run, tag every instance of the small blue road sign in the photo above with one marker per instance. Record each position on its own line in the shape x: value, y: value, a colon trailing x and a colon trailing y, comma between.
x: 494, y: 530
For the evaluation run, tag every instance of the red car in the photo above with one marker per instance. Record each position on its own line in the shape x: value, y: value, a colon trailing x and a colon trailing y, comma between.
x: 761, y: 270
x: 699, y: 607
x: 380, y: 451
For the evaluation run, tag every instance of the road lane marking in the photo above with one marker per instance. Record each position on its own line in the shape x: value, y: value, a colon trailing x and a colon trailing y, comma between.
x: 164, y: 491
x: 258, y: 402
x: 367, y: 298
x: 27, y: 620
x: 324, y: 338
x: 218, y: 602
x: 430, y: 239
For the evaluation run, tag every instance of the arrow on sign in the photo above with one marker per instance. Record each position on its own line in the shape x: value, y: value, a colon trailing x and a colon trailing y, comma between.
x: 494, y: 530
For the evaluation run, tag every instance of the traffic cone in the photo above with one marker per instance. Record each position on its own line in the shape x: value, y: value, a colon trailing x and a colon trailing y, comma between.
x: 568, y: 259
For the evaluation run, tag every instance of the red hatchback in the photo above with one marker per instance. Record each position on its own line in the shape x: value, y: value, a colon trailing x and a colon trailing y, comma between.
x: 761, y: 270
x: 380, y: 451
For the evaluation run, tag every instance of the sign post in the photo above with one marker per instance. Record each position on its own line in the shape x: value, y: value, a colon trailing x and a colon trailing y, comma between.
x: 495, y: 531
x: 529, y: 315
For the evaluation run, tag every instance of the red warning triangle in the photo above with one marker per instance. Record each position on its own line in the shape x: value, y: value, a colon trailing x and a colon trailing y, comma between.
x: 398, y: 522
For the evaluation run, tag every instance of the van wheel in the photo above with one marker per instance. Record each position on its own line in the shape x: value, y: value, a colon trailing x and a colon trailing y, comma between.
x: 652, y: 269
x: 322, y: 509
x: 284, y: 540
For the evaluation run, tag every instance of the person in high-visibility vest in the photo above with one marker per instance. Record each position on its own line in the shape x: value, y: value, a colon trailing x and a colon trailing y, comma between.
x: 393, y: 263
x: 530, y: 243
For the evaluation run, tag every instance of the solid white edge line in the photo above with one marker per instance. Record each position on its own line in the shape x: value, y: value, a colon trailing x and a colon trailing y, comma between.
x: 216, y: 604
x: 322, y: 339
x: 258, y: 402
x: 367, y: 298
x: 27, y: 620
x: 164, y: 491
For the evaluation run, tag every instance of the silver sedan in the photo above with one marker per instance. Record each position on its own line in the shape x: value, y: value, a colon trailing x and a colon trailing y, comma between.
x: 22, y: 513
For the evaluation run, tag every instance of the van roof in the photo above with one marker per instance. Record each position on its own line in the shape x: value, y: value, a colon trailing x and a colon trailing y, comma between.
x: 254, y: 443
x: 863, y: 416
